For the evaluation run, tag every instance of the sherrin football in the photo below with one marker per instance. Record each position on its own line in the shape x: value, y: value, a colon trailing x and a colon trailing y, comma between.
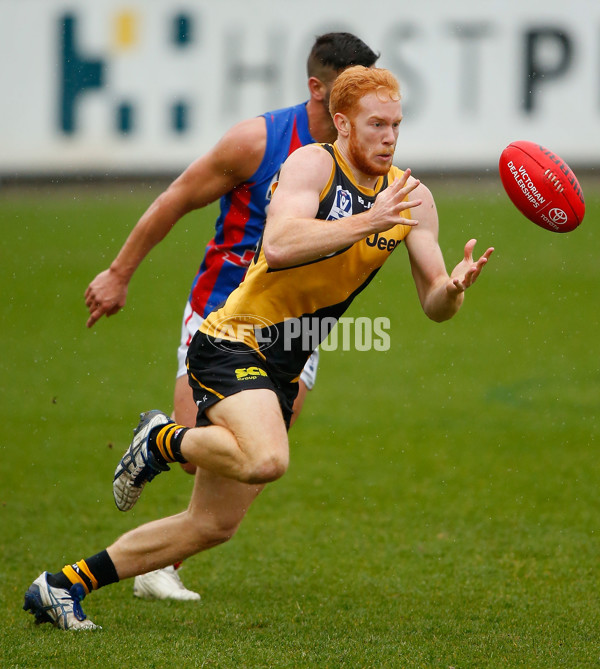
x: 542, y: 186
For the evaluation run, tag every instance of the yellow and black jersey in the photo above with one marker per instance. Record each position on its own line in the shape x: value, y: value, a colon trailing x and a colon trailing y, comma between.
x: 284, y: 314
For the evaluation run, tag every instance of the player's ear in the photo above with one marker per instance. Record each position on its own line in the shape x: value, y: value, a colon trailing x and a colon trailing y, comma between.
x: 342, y: 124
x: 317, y: 88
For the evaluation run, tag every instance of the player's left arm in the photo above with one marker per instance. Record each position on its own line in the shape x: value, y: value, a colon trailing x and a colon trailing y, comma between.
x: 441, y: 294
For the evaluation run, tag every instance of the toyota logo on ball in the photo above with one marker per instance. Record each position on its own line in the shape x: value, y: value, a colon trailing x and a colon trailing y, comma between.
x: 557, y: 216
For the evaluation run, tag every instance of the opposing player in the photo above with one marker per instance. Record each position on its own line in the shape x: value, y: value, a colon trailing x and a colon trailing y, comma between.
x: 331, y: 204
x: 239, y: 171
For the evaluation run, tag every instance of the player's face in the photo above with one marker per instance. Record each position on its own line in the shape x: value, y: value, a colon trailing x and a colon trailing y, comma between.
x: 328, y: 80
x: 373, y: 134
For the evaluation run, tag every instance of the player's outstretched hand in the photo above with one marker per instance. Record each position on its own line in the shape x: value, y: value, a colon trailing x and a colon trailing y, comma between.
x: 392, y: 201
x: 466, y: 272
x: 105, y: 295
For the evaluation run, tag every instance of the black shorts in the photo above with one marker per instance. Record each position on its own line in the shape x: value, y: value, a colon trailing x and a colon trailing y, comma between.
x: 215, y: 373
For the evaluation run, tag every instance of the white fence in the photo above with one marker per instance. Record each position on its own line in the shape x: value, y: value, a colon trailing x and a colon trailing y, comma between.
x: 145, y: 86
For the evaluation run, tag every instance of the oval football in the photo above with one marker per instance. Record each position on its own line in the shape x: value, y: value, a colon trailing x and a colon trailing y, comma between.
x: 542, y: 186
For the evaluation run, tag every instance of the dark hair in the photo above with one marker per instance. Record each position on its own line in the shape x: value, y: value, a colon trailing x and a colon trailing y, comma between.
x: 337, y: 51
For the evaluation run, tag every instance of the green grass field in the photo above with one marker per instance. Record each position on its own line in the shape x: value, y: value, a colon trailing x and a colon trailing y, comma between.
x: 441, y: 508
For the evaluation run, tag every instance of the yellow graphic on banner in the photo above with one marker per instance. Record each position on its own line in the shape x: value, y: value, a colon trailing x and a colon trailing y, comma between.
x: 126, y: 29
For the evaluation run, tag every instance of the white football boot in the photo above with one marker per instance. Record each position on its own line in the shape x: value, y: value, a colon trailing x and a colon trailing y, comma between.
x: 162, y: 584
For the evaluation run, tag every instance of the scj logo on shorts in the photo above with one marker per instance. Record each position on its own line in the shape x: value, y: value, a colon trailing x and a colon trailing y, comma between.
x: 249, y: 373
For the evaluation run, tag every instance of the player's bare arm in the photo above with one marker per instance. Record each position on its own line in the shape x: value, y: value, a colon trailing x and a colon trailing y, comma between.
x: 229, y: 163
x: 292, y: 234
x: 441, y: 295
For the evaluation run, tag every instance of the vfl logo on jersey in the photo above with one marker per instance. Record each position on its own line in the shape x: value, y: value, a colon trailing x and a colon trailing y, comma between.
x: 342, y: 206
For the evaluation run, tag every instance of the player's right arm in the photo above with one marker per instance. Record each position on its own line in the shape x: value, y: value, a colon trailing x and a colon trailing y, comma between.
x: 292, y: 233
x: 232, y: 161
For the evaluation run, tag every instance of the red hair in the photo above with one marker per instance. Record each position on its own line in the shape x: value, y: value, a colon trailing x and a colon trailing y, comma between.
x: 356, y: 82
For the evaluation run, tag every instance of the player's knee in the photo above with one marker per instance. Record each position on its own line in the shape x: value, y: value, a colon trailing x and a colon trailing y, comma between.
x: 267, y: 468
x: 206, y: 531
x: 219, y: 533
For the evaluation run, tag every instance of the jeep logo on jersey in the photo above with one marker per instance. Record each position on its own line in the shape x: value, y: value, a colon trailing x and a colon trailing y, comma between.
x: 381, y: 242
x: 342, y: 205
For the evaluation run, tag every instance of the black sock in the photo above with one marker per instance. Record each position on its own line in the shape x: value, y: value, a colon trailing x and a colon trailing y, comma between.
x: 59, y: 580
x: 165, y: 442
x: 93, y: 573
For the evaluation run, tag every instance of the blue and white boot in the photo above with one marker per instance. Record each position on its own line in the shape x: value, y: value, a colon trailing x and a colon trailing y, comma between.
x: 58, y: 606
x: 138, y: 466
